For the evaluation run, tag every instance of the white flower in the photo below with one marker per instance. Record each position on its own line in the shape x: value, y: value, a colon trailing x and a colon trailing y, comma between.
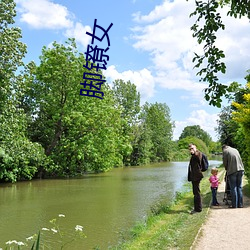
x: 29, y: 238
x: 78, y: 228
x: 10, y: 242
x: 20, y: 243
x: 45, y: 229
x: 61, y: 215
x: 54, y: 230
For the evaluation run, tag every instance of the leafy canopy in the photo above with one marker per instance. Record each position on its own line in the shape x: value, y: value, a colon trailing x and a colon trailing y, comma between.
x: 205, y: 28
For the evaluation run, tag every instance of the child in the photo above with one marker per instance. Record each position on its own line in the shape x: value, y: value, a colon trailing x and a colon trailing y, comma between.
x: 214, y: 185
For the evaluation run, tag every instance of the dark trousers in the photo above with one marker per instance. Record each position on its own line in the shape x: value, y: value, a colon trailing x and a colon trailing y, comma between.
x: 197, y: 196
x: 235, y: 181
x: 214, y: 196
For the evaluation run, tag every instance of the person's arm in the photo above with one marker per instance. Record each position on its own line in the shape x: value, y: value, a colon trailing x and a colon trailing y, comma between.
x: 224, y: 159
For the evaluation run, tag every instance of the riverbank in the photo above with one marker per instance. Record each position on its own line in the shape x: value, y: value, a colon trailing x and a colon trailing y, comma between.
x: 171, y: 227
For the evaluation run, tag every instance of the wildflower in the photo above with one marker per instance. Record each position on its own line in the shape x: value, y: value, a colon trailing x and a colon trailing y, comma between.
x: 29, y: 238
x: 45, y: 229
x: 10, y: 242
x: 20, y: 243
x: 54, y: 230
x: 61, y: 215
x: 78, y: 228
x: 53, y: 221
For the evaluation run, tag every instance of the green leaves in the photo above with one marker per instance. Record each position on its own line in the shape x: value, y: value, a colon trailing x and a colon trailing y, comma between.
x: 208, y: 14
x: 210, y: 63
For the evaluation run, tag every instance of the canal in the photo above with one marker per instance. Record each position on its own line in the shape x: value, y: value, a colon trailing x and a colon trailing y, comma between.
x: 106, y: 204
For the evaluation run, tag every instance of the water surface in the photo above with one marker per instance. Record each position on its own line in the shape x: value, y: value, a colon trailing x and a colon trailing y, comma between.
x: 104, y: 204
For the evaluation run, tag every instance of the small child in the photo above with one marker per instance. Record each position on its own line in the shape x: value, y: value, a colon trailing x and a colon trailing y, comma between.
x: 214, y: 185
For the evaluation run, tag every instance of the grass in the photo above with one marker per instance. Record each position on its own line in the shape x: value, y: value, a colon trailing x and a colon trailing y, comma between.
x: 170, y: 226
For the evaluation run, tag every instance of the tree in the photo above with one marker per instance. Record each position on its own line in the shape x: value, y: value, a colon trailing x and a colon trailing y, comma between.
x: 227, y: 127
x: 20, y: 158
x: 242, y: 117
x: 12, y: 50
x: 79, y: 133
x: 208, y: 23
x: 183, y: 144
x: 128, y: 100
x: 196, y: 131
x: 157, y: 122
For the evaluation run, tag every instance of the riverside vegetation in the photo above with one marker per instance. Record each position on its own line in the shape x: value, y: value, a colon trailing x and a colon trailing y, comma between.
x: 171, y: 226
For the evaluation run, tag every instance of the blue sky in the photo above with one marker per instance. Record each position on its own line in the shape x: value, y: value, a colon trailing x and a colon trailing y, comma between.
x: 151, y: 45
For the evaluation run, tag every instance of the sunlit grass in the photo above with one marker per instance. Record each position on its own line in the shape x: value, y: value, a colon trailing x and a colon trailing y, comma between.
x: 170, y: 226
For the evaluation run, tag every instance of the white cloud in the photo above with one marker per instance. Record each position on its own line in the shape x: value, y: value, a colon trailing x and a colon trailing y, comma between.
x: 43, y: 14
x: 79, y: 33
x: 208, y: 122
x: 165, y: 33
x: 143, y: 80
x: 170, y: 42
x: 234, y: 41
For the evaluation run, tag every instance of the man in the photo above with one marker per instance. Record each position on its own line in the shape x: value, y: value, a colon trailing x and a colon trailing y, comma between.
x: 195, y: 175
x: 235, y: 170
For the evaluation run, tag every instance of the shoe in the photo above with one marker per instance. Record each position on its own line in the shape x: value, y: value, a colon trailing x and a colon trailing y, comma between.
x: 217, y: 204
x: 194, y: 212
x: 231, y: 207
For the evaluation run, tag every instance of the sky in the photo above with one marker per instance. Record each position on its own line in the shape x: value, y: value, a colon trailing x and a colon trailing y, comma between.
x: 151, y: 45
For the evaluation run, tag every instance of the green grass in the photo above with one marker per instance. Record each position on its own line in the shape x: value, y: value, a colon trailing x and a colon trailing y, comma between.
x: 170, y: 226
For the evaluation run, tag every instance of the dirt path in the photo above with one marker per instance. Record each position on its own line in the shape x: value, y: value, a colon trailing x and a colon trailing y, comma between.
x: 225, y: 228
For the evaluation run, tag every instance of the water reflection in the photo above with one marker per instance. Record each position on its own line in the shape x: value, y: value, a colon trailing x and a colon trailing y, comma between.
x: 105, y: 204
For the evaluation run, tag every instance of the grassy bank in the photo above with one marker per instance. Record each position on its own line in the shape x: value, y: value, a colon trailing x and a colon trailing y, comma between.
x: 170, y: 227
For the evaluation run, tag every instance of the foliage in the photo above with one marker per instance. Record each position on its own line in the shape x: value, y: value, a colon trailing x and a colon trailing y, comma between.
x: 227, y: 127
x: 233, y: 124
x: 215, y: 148
x: 79, y: 133
x: 196, y: 131
x: 241, y: 115
x: 12, y: 50
x: 156, y: 120
x: 201, y: 146
x: 127, y: 99
x: 142, y: 145
x: 20, y: 157
x: 205, y: 28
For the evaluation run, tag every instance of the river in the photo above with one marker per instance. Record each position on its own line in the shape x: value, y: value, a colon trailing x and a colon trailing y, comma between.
x: 104, y: 204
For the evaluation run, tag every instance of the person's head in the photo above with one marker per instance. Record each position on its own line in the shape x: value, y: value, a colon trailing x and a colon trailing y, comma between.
x: 214, y: 171
x: 192, y: 148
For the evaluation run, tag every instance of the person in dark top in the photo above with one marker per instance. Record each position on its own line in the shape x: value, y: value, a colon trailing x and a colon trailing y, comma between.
x: 195, y: 175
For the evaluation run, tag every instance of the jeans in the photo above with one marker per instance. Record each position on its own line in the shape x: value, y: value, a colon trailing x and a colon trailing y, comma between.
x: 214, y: 196
x: 235, y: 182
x: 197, y: 196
